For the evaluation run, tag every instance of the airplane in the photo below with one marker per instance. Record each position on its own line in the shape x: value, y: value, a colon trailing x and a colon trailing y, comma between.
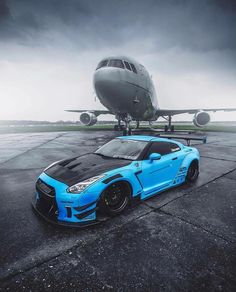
x: 126, y: 89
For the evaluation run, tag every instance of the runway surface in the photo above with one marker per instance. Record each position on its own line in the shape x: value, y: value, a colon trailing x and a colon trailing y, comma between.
x: 181, y: 240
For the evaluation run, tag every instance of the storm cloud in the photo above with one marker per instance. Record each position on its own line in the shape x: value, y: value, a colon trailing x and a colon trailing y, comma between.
x: 188, y: 24
x: 170, y: 37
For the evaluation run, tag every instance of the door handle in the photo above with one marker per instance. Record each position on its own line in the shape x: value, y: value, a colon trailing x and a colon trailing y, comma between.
x: 174, y: 158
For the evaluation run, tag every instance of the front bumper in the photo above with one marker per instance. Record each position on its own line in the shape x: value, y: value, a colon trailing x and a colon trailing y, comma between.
x: 57, y: 206
x: 54, y: 221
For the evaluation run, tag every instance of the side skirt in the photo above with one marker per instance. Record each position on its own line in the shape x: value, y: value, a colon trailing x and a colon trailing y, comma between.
x: 157, y: 192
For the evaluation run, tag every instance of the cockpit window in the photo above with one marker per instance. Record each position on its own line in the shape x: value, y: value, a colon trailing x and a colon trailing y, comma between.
x: 103, y: 63
x: 133, y: 68
x: 127, y: 65
x: 116, y: 63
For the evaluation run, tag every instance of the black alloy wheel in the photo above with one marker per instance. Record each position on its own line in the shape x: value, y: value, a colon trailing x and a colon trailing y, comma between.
x: 115, y: 198
x: 193, y: 172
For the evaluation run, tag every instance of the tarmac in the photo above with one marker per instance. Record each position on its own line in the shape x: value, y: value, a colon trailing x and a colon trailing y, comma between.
x: 183, y: 239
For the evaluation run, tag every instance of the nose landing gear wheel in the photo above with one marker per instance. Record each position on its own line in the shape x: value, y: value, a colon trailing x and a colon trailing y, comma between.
x: 127, y: 132
x: 117, y: 128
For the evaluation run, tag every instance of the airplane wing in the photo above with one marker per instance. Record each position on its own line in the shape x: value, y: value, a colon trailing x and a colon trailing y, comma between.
x: 168, y: 112
x: 95, y: 112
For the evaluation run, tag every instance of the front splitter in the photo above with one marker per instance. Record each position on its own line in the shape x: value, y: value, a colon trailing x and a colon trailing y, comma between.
x: 63, y: 223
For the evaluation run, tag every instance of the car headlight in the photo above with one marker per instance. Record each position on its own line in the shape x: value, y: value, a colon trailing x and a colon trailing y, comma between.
x: 79, y: 187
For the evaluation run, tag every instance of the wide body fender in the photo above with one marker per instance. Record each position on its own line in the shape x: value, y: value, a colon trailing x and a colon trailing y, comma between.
x: 126, y: 175
x: 193, y: 155
x: 190, y: 156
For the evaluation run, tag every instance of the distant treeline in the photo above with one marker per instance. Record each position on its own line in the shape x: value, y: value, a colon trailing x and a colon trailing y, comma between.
x: 77, y: 123
x: 30, y: 122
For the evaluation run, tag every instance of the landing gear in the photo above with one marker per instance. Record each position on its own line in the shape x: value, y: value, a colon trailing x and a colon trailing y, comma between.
x: 127, y: 130
x: 119, y: 127
x: 169, y: 127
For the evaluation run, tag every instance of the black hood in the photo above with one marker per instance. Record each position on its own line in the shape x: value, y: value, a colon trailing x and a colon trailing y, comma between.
x: 74, y: 170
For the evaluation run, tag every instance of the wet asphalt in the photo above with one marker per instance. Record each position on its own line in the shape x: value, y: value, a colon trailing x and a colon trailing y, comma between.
x: 181, y: 240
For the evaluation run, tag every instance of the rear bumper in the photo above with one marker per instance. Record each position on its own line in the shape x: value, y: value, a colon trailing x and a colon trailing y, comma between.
x: 55, y: 221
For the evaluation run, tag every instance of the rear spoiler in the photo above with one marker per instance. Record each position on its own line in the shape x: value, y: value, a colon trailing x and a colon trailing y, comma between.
x: 187, y: 138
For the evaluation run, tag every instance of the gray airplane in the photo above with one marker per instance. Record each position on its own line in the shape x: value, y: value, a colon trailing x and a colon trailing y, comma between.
x: 126, y: 89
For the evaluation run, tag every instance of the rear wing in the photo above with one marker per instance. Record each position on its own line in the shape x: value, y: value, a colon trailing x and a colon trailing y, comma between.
x: 187, y: 138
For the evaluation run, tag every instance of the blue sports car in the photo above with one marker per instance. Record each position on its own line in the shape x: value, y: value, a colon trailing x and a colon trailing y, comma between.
x: 126, y: 169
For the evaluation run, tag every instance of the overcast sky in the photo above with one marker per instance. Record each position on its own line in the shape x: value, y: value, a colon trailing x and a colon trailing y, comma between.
x: 49, y: 50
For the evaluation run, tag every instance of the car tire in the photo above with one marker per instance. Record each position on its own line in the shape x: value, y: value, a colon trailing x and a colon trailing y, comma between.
x: 193, y: 171
x: 115, y: 198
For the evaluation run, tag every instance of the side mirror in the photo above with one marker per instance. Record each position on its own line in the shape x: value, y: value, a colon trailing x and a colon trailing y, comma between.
x: 155, y: 156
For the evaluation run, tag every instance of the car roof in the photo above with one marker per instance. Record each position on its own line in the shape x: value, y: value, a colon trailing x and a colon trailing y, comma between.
x: 148, y: 139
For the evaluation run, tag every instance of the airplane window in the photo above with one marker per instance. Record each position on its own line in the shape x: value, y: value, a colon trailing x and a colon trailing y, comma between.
x: 127, y: 65
x: 103, y: 63
x: 116, y: 63
x: 133, y: 68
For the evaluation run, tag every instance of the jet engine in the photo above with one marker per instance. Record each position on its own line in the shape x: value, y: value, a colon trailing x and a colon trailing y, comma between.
x: 201, y: 118
x: 88, y: 119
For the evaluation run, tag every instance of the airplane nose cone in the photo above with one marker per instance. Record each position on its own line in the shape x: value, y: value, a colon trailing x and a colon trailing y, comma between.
x: 106, y: 83
x: 112, y: 90
x: 105, y: 77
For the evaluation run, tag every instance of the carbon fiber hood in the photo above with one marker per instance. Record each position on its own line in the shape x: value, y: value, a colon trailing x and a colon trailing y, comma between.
x: 74, y: 170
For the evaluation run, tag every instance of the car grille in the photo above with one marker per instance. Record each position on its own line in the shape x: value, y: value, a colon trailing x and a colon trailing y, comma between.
x: 42, y: 187
x: 46, y: 202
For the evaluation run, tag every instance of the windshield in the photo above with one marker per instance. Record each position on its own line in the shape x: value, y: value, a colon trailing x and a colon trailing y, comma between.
x: 103, y: 63
x: 116, y: 63
x: 121, y: 148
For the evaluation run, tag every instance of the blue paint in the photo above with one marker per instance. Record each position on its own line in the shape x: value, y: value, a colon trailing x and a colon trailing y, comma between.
x: 146, y: 178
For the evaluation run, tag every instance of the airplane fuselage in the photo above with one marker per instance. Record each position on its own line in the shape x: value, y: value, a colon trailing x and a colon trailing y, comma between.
x: 125, y: 88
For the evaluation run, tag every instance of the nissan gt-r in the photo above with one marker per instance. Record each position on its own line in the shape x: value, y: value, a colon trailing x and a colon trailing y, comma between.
x: 126, y: 169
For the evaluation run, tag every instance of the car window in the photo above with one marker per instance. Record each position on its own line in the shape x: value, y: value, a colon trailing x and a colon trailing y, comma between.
x: 122, y: 148
x: 116, y: 63
x: 162, y: 148
x: 174, y: 147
